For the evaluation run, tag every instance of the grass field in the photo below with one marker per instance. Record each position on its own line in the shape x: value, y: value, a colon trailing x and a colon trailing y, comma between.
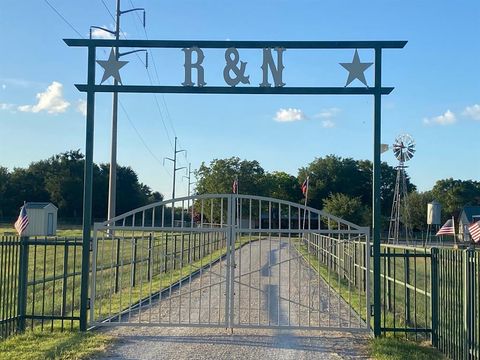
x: 49, y: 297
x: 390, y: 347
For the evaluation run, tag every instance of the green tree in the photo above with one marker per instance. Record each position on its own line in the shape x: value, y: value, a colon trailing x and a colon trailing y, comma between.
x: 280, y: 185
x: 454, y: 194
x: 417, y: 209
x: 218, y: 177
x: 346, y: 207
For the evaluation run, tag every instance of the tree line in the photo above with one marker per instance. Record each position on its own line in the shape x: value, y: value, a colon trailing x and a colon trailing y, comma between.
x: 340, y: 186
x: 59, y: 180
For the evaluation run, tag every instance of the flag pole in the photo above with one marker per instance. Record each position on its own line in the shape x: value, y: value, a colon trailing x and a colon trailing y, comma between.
x: 305, y: 209
x: 454, y: 234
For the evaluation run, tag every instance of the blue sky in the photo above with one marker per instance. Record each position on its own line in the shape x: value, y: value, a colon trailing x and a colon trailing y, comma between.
x: 436, y: 79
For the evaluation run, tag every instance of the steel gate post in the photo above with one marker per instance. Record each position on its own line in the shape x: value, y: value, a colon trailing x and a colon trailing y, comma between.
x: 22, y: 283
x: 228, y: 272
x: 376, y: 192
x: 434, y: 294
x: 87, y: 188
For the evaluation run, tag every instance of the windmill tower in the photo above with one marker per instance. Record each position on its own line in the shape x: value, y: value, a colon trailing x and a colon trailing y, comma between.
x: 403, y: 149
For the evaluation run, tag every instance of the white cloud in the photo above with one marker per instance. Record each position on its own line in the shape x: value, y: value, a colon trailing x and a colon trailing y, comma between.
x: 102, y: 34
x: 327, y: 113
x: 472, y: 112
x: 51, y: 101
x: 328, y: 124
x: 448, y: 118
x: 4, y: 86
x: 6, y: 106
x: 289, y: 115
x: 82, y: 107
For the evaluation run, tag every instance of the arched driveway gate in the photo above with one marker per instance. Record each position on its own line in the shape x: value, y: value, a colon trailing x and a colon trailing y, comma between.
x: 230, y: 261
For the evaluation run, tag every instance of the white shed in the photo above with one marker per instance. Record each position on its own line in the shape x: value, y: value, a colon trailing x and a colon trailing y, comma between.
x: 42, y: 219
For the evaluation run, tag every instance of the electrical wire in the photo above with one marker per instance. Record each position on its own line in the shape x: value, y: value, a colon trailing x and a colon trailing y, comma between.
x: 63, y: 18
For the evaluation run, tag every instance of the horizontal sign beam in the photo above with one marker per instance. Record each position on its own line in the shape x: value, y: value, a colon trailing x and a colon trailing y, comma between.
x: 237, y: 90
x: 208, y: 44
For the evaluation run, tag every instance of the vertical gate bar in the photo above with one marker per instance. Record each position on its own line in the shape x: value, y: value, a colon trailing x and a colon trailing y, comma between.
x: 366, y: 255
x: 65, y: 280
x: 3, y: 284
x: 230, y: 221
x: 54, y: 281
x: 73, y: 279
x: 259, y: 257
x: 22, y: 283
x: 376, y: 221
x: 279, y: 260
x: 11, y: 272
x: 238, y: 266
x: 94, y: 275
x: 44, y: 281
x: 87, y: 188
x: 415, y: 291
x: 111, y: 274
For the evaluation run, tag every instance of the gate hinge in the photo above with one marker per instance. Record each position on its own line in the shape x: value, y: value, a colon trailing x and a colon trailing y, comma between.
x: 371, y: 251
x: 89, y: 303
x: 372, y: 311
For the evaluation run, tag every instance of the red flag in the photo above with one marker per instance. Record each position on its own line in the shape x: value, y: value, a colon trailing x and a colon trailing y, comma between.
x: 22, y: 221
x: 305, y: 187
x: 235, y: 186
x: 447, y: 228
x: 474, y: 230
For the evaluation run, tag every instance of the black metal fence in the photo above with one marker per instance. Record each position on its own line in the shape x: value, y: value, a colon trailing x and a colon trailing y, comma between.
x: 40, y: 278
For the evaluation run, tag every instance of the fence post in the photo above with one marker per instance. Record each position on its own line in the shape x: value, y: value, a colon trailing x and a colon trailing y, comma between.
x: 134, y: 265
x: 22, y: 283
x: 406, y: 273
x: 434, y: 294
x: 468, y: 300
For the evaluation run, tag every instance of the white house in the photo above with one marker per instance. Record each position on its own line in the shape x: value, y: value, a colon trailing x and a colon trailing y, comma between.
x: 467, y: 216
x: 42, y: 219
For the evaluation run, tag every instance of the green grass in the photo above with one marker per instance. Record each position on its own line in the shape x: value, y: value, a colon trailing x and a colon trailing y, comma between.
x: 62, y: 230
x: 398, y: 349
x: 35, y: 345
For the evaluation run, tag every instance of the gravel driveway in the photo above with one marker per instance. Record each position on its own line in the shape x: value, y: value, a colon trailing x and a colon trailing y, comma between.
x: 273, y: 287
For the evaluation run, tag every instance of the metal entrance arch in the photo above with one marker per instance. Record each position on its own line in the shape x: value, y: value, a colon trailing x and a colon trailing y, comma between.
x: 231, y: 261
x: 377, y: 91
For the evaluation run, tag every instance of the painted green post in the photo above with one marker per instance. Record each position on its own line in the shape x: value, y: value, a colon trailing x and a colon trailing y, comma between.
x: 87, y: 189
x: 377, y: 119
x: 434, y: 294
x: 22, y: 283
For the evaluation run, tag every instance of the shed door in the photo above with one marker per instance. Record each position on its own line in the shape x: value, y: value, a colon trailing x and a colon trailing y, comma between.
x: 50, y: 224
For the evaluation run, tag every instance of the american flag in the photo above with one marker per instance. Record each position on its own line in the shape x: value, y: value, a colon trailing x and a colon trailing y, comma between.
x: 474, y: 230
x: 305, y: 187
x: 22, y: 221
x: 235, y: 186
x: 447, y: 229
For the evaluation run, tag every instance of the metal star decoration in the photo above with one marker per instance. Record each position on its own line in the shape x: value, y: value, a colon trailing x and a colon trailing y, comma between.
x: 111, y: 67
x: 356, y: 69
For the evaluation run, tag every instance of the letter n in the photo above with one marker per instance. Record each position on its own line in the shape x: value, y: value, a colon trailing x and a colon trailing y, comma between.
x: 189, y: 65
x: 269, y: 64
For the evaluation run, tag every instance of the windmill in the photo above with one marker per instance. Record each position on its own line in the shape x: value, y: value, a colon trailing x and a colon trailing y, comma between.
x: 403, y: 149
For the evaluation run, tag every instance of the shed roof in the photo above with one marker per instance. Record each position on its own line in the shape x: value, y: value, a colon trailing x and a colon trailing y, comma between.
x: 471, y: 211
x: 38, y: 205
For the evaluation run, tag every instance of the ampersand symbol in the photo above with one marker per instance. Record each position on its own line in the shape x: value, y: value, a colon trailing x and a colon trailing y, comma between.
x: 232, y: 66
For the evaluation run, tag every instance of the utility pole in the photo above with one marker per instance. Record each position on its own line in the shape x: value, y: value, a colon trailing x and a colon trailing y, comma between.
x: 174, y: 160
x: 112, y: 182
x: 189, y: 177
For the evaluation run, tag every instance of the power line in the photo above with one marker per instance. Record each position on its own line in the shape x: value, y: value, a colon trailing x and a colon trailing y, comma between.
x: 121, y: 105
x: 141, y: 138
x: 169, y: 118
x: 63, y: 18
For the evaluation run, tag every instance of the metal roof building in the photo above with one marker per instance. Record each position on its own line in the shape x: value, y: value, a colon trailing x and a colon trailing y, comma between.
x: 42, y: 219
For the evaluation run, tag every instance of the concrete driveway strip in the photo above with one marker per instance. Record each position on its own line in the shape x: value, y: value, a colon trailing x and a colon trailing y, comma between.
x: 272, y: 286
